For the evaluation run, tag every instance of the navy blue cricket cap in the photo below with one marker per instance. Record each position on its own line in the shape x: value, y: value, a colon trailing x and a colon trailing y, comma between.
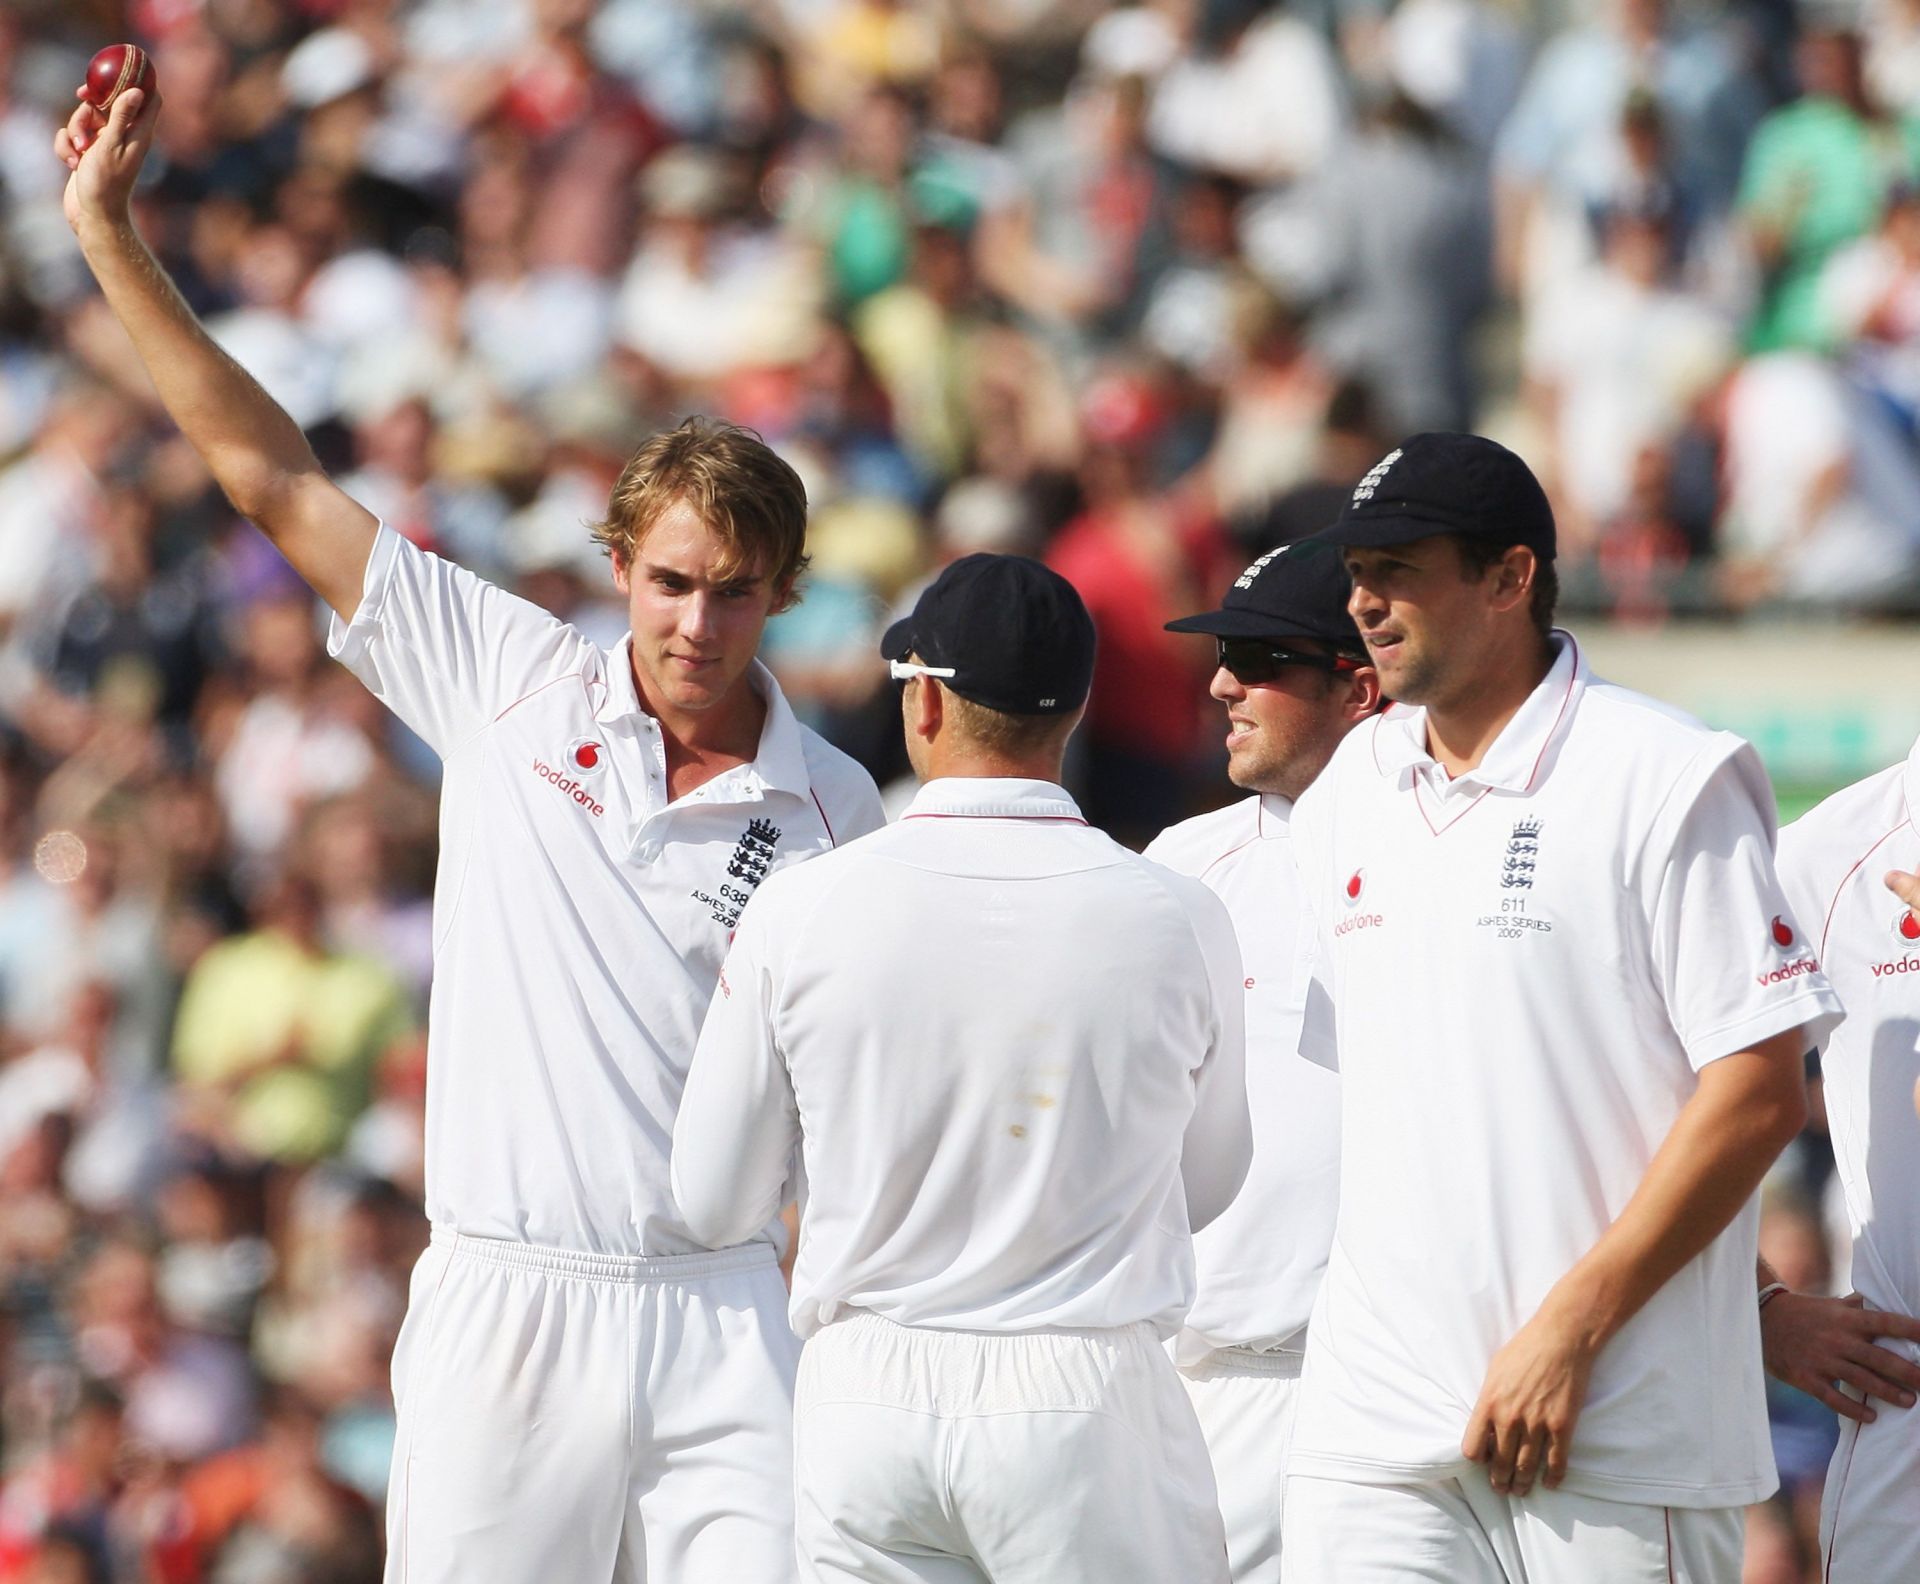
x: 1015, y: 633
x: 1293, y: 591
x: 1447, y: 484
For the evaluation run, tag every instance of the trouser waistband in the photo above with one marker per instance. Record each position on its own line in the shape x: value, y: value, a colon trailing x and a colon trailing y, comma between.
x: 632, y: 1269
x: 1281, y: 1362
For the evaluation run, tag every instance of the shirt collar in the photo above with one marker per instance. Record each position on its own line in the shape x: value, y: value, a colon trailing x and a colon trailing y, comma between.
x: 993, y: 797
x: 1516, y: 758
x: 1910, y: 785
x: 1275, y: 816
x: 780, y: 762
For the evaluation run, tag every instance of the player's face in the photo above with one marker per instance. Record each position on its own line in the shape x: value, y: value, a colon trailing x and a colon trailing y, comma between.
x: 695, y: 630
x: 1421, y: 616
x: 1280, y: 734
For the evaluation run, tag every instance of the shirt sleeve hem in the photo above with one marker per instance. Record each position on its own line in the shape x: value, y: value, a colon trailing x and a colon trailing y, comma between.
x: 1816, y: 1010
x: 347, y: 641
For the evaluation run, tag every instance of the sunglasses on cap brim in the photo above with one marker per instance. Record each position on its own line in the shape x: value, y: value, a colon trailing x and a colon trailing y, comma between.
x: 907, y: 670
x: 1253, y: 661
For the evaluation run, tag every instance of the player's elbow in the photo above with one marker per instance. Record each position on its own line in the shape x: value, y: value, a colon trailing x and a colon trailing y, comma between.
x: 709, y: 1207
x: 1217, y: 1183
x: 702, y: 1209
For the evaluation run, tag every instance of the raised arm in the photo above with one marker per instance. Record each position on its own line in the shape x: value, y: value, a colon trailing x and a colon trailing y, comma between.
x: 254, y: 450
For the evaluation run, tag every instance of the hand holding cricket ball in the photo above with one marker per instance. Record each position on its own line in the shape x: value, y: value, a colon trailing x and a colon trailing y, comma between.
x: 112, y: 128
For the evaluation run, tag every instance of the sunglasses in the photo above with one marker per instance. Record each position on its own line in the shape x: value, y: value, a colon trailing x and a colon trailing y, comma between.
x: 906, y: 670
x: 1254, y: 661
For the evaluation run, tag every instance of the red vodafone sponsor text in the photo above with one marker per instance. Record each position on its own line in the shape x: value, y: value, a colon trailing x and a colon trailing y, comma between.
x: 565, y: 783
x: 1796, y: 969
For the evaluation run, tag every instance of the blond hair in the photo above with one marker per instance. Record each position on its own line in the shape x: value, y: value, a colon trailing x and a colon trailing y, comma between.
x: 754, y: 502
x: 1007, y: 735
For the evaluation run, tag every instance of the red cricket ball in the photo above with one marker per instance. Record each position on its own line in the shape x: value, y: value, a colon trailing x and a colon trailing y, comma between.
x: 115, y: 69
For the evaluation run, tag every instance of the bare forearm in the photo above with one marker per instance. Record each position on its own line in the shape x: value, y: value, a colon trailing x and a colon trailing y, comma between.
x: 254, y: 450
x: 246, y: 439
x: 1711, y: 1162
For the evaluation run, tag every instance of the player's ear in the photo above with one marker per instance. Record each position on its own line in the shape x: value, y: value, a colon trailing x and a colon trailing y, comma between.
x: 922, y: 709
x: 1363, y: 695
x: 1513, y: 578
x: 622, y: 572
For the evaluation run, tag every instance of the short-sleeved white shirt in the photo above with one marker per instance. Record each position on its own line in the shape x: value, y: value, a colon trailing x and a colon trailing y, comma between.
x: 1009, y: 1054
x: 580, y: 917
x: 1259, y: 1265
x: 1831, y: 863
x: 1520, y: 973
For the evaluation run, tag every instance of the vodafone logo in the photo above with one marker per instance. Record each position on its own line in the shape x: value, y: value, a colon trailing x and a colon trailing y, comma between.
x: 1792, y: 970
x: 555, y: 776
x: 1350, y: 894
x: 1906, y: 930
x: 587, y: 756
x: 1782, y: 932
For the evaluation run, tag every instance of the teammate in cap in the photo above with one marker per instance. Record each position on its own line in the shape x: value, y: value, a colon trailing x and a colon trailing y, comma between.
x: 586, y: 1390
x: 1834, y: 863
x: 1294, y: 678
x: 1569, y: 1004
x: 1005, y: 1054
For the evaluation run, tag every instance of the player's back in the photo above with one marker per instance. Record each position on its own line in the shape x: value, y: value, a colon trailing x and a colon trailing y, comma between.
x: 995, y: 1028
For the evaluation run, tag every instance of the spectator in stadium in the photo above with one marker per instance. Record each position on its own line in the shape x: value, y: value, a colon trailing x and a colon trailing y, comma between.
x: 1137, y: 555
x: 1816, y: 175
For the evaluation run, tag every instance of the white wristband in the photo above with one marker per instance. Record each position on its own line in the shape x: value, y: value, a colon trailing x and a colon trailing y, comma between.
x: 1771, y: 1291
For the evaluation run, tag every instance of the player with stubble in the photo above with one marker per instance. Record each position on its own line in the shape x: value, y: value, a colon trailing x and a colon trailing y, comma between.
x: 585, y: 1391
x: 1568, y: 1003
x: 1294, y: 679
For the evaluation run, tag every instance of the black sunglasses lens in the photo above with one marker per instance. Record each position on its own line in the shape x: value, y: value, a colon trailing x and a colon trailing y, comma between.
x: 1253, y: 661
x: 1250, y: 661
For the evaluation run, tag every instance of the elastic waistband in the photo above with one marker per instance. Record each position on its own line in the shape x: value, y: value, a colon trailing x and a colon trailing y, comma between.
x: 852, y: 1322
x: 866, y: 1358
x: 628, y: 1269
x: 1282, y: 1362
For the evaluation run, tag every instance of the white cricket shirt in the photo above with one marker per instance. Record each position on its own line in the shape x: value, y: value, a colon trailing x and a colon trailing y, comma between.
x: 1008, y: 1052
x: 579, y: 917
x: 1831, y: 863
x: 1525, y: 968
x: 1259, y: 1264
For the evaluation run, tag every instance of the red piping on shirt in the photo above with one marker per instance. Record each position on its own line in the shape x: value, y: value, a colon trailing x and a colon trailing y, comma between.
x: 1214, y: 863
x: 1842, y: 886
x: 1554, y: 730
x: 832, y: 840
x: 572, y: 676
x: 1539, y: 759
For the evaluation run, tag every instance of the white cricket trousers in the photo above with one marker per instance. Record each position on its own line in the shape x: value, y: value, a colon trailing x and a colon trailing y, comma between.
x: 1463, y: 1531
x: 1870, y: 1511
x: 1245, y: 1403
x: 592, y: 1419
x: 964, y: 1457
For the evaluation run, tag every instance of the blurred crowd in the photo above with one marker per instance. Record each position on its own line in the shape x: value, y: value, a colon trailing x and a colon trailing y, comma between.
x: 1142, y: 289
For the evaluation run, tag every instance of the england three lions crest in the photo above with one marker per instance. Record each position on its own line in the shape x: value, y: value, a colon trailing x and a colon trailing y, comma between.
x: 1522, y: 855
